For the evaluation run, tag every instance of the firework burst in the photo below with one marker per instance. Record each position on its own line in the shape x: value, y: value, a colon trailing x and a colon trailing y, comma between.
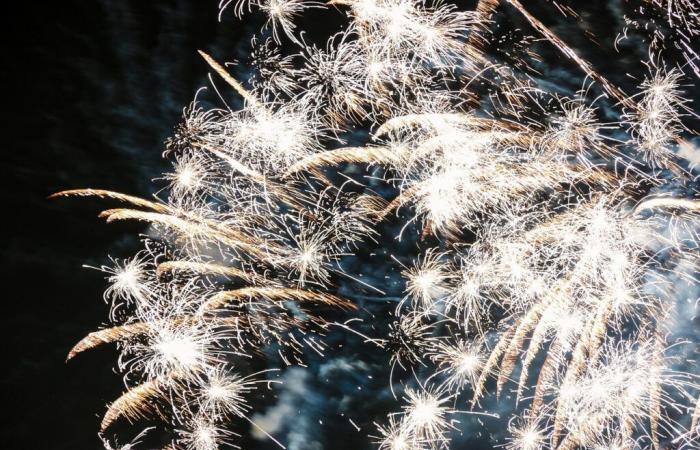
x: 550, y: 227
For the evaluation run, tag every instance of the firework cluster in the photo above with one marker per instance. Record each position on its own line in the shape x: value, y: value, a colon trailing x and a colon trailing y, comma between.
x: 554, y: 245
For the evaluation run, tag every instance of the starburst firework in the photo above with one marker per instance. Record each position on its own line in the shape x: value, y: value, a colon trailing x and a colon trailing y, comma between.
x: 551, y: 247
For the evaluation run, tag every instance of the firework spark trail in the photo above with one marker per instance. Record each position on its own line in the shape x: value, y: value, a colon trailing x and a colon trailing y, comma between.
x: 174, y: 339
x: 546, y: 261
x: 613, y: 90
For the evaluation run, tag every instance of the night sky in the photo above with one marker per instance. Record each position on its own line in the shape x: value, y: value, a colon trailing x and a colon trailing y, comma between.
x: 94, y: 88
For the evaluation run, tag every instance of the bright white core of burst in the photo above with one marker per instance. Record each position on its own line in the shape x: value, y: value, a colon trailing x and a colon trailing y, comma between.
x: 187, y: 177
x: 530, y: 440
x: 467, y: 362
x: 425, y: 411
x: 426, y: 280
x: 127, y: 279
x: 179, y: 350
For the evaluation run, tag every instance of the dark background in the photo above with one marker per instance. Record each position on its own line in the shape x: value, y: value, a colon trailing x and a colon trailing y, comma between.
x: 90, y: 91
